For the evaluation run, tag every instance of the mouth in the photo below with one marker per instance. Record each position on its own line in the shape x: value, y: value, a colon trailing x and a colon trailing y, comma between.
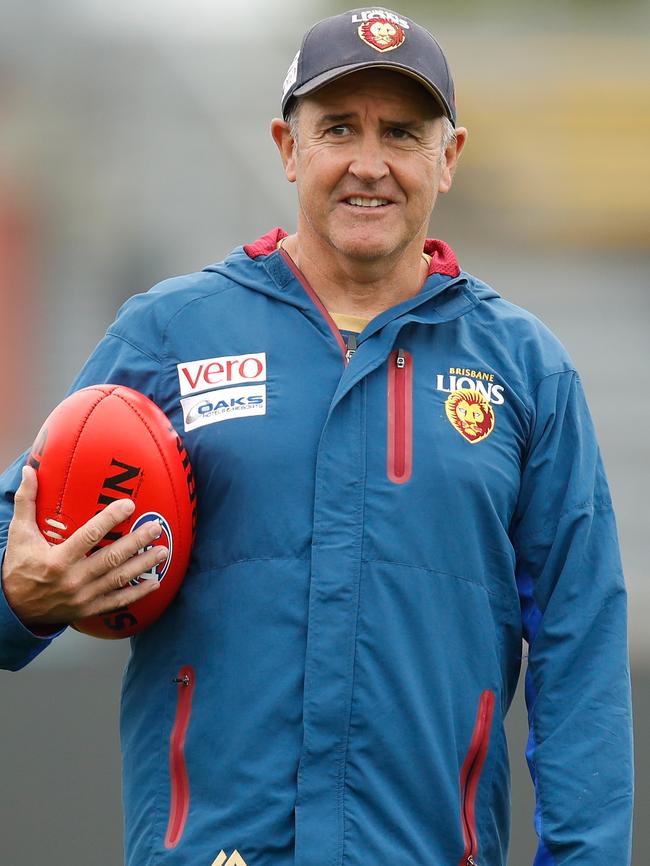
x: 358, y: 201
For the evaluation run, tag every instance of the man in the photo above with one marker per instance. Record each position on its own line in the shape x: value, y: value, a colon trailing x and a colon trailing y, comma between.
x: 403, y: 484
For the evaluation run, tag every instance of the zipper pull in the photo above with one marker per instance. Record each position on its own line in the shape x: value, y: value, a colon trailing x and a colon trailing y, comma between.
x: 185, y: 680
x: 352, y: 347
x: 401, y: 363
x: 471, y: 861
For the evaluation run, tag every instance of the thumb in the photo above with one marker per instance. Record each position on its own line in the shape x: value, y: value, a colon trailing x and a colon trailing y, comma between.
x: 25, y: 497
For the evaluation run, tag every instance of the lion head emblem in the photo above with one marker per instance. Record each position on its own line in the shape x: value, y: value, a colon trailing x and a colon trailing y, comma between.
x: 471, y: 414
x: 381, y: 34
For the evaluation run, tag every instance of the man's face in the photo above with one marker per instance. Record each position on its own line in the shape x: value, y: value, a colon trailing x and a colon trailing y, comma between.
x: 368, y: 164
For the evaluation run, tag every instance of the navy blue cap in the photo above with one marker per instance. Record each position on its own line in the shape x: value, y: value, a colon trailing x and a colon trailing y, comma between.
x: 369, y: 38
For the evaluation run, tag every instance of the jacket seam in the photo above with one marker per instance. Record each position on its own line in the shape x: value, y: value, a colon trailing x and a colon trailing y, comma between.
x: 216, y: 567
x: 434, y: 571
x: 110, y: 333
x: 538, y: 781
x: 533, y: 408
x: 565, y: 370
x: 595, y: 505
x: 218, y: 291
x: 487, y: 775
x: 313, y: 634
x: 343, y: 748
x: 157, y: 836
x: 364, y: 454
x: 141, y: 351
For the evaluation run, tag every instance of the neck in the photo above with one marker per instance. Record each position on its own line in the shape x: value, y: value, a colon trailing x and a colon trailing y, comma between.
x: 359, y: 288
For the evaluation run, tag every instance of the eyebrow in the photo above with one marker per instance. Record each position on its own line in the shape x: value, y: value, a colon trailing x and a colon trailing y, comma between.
x: 350, y: 115
x: 336, y: 118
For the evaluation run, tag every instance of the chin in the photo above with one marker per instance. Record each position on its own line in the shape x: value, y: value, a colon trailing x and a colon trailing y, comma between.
x: 363, y: 250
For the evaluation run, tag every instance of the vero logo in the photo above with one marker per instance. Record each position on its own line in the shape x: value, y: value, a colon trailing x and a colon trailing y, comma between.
x: 197, y: 376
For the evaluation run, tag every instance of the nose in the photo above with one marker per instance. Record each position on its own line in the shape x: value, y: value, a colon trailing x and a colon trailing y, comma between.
x: 369, y: 163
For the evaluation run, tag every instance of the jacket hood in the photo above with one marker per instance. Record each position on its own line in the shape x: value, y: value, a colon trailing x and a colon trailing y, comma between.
x: 443, y: 258
x: 446, y: 294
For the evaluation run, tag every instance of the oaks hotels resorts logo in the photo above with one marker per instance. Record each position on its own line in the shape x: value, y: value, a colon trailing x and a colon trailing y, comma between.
x: 469, y: 406
x: 207, y: 395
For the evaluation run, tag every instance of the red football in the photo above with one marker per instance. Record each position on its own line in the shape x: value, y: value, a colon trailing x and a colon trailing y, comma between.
x: 109, y: 442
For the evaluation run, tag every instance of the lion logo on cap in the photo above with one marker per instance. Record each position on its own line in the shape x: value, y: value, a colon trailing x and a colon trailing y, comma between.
x: 381, y: 34
x: 470, y: 414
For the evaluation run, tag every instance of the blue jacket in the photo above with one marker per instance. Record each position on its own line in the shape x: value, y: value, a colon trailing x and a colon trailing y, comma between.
x: 376, y: 536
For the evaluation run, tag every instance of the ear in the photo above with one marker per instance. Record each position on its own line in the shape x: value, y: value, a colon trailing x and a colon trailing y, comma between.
x: 452, y: 155
x: 281, y: 135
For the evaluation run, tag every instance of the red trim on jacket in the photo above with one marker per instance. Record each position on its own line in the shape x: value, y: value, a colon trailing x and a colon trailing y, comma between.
x: 443, y: 258
x: 470, y: 774
x: 265, y: 245
x: 179, y: 804
x: 399, y: 399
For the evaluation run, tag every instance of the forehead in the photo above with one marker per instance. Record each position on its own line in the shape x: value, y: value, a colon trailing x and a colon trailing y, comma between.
x: 384, y: 88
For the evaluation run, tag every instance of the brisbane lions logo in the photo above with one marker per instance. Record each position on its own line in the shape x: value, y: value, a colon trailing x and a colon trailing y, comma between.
x: 471, y: 414
x: 382, y: 34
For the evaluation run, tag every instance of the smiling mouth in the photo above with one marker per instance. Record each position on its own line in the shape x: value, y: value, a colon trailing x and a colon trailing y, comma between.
x: 357, y: 201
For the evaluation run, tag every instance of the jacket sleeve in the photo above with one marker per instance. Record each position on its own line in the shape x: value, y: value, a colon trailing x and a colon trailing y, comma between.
x: 574, y: 614
x: 118, y: 361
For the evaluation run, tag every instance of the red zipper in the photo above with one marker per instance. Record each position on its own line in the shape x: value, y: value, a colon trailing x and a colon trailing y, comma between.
x: 470, y: 774
x: 180, y: 786
x: 400, y: 416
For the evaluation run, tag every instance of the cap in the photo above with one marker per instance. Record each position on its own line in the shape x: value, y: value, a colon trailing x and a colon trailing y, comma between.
x: 369, y: 38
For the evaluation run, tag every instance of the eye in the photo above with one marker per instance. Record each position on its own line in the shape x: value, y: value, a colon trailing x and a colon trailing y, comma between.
x: 399, y: 134
x: 339, y: 131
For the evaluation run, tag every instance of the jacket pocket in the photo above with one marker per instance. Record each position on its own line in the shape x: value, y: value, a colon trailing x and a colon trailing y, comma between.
x: 470, y: 774
x: 400, y: 416
x: 180, y: 786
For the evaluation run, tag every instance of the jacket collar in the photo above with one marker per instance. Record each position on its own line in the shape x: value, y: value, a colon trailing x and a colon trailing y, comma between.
x: 262, y: 267
x: 443, y: 258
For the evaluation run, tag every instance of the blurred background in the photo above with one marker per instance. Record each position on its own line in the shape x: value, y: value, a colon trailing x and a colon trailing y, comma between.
x: 134, y: 145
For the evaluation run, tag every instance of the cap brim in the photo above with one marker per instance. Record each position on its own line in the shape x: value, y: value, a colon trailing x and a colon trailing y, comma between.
x: 341, y: 71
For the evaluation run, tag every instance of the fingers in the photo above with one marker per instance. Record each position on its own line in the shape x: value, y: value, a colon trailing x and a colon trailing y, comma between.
x: 114, y: 555
x: 136, y: 566
x: 60, y: 583
x: 109, y: 572
x: 25, y: 497
x: 102, y: 582
x: 93, y: 531
x: 114, y: 589
x: 120, y: 598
